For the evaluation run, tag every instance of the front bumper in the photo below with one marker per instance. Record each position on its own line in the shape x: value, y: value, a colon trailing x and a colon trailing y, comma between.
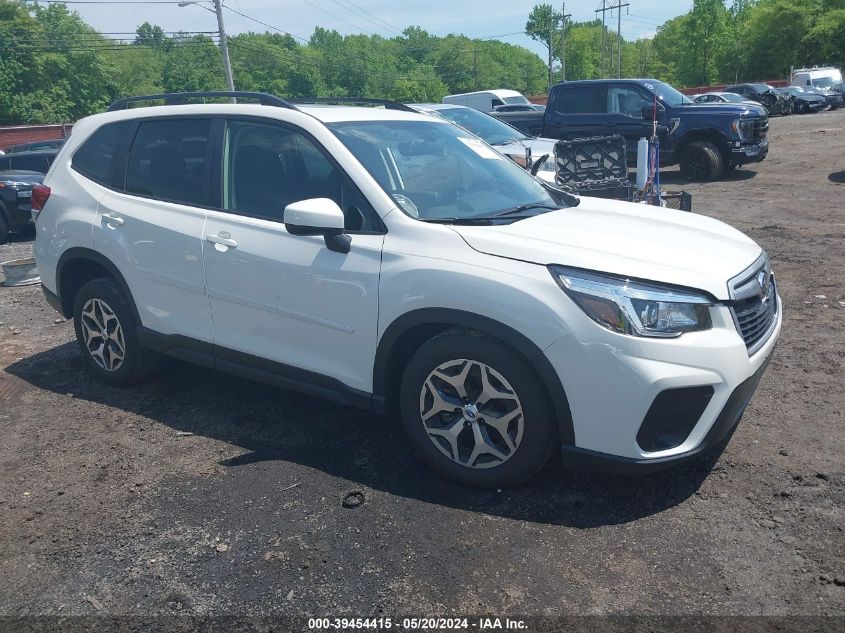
x: 613, y: 381
x: 722, y: 428
x: 750, y: 152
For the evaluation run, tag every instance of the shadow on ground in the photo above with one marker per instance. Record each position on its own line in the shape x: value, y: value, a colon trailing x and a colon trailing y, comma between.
x: 272, y: 424
x: 674, y: 177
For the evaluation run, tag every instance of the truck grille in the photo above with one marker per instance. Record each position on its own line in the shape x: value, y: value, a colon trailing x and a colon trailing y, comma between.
x: 755, y: 304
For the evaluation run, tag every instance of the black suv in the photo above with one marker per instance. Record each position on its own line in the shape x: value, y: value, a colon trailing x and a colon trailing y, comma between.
x: 39, y: 160
x: 763, y: 94
x: 16, y: 201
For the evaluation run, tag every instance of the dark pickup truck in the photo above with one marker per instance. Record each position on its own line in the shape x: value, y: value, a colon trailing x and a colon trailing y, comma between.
x: 705, y: 139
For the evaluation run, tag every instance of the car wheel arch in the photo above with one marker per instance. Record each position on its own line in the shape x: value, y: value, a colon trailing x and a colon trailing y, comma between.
x: 410, y: 330
x: 79, y: 265
x: 714, y: 136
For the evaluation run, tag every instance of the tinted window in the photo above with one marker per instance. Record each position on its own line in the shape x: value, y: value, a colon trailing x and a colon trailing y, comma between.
x: 31, y: 163
x: 167, y: 160
x: 4, y: 163
x: 626, y: 101
x: 95, y: 159
x: 582, y: 100
x: 267, y: 167
x: 482, y: 125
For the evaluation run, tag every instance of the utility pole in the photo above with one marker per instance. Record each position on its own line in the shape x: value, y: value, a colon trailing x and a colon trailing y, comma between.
x: 221, y: 28
x: 551, y: 46
x: 475, y: 66
x: 224, y: 47
x: 610, y: 5
x: 564, y: 18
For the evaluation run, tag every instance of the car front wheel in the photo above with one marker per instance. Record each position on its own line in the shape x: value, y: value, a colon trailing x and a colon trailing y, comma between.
x: 701, y: 161
x: 474, y: 410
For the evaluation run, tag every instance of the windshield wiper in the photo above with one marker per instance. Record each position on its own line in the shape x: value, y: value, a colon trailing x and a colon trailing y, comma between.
x: 523, y: 207
x: 467, y: 221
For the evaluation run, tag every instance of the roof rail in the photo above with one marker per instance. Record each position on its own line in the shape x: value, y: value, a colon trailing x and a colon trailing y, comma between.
x: 180, y: 98
x: 387, y: 103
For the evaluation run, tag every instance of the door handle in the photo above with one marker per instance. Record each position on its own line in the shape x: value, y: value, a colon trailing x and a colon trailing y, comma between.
x: 223, y: 238
x: 112, y: 220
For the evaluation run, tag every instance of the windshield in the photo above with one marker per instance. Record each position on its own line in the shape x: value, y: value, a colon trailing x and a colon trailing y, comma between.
x: 435, y: 171
x: 482, y: 125
x: 826, y: 82
x: 516, y: 99
x: 667, y: 93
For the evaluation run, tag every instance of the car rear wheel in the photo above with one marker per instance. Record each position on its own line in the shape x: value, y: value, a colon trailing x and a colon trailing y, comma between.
x: 106, y: 332
x: 475, y: 412
x: 702, y: 161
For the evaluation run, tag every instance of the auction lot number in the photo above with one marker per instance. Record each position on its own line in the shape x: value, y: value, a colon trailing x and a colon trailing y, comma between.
x: 421, y: 624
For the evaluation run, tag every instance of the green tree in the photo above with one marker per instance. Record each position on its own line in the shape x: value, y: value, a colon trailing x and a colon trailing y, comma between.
x: 542, y: 26
x: 150, y: 35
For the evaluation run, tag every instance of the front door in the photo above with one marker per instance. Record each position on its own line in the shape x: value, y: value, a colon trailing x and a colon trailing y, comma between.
x: 284, y: 298
x: 625, y: 105
x: 152, y: 229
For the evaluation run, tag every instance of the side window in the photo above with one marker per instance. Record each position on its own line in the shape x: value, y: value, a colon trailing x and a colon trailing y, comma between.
x: 582, y: 100
x: 627, y: 101
x: 267, y: 167
x: 5, y: 163
x: 95, y: 158
x: 30, y: 163
x: 167, y: 160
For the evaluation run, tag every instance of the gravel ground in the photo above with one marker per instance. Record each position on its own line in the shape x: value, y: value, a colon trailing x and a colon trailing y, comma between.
x: 200, y: 493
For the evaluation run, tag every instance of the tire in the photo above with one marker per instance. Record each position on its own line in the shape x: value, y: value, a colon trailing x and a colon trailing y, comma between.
x: 101, y: 305
x: 519, y: 409
x: 4, y: 228
x: 701, y: 161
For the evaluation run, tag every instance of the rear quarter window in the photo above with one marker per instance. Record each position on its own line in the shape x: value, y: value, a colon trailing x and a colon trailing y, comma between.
x: 582, y: 100
x: 95, y: 158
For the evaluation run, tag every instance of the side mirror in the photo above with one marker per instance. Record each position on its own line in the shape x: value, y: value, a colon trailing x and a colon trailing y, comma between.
x: 648, y: 112
x: 318, y: 216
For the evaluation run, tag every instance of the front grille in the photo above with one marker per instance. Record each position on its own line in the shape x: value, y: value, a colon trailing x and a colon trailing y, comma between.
x: 755, y: 304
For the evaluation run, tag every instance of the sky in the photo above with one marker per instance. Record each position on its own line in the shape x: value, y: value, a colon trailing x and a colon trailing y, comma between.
x: 474, y: 18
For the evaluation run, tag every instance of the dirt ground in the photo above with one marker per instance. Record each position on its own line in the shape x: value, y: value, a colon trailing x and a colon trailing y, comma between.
x: 200, y: 493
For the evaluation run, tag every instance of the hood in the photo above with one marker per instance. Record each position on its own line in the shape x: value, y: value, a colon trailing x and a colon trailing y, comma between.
x: 624, y: 238
x: 539, y: 146
x: 727, y: 109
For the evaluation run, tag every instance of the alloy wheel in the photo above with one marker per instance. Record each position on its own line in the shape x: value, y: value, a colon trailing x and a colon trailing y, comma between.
x: 471, y: 413
x: 103, y: 334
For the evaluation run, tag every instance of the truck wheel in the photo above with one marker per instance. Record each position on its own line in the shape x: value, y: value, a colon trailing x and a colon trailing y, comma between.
x: 474, y: 411
x: 702, y: 161
x: 106, y: 333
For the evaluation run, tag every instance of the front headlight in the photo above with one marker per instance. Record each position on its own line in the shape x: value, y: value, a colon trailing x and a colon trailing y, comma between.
x: 743, y: 127
x: 634, y: 307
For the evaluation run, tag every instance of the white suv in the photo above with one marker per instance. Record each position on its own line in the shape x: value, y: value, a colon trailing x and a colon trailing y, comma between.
x: 389, y: 260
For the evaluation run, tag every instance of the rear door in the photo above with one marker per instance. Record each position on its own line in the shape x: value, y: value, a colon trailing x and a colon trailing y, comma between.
x: 151, y: 227
x: 578, y: 111
x: 287, y: 298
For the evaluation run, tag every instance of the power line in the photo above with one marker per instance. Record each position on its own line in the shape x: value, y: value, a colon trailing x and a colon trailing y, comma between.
x: 357, y: 12
x: 269, y: 26
x: 336, y: 17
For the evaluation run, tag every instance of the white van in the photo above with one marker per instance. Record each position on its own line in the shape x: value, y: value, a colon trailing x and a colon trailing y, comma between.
x: 487, y: 100
x: 824, y: 78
